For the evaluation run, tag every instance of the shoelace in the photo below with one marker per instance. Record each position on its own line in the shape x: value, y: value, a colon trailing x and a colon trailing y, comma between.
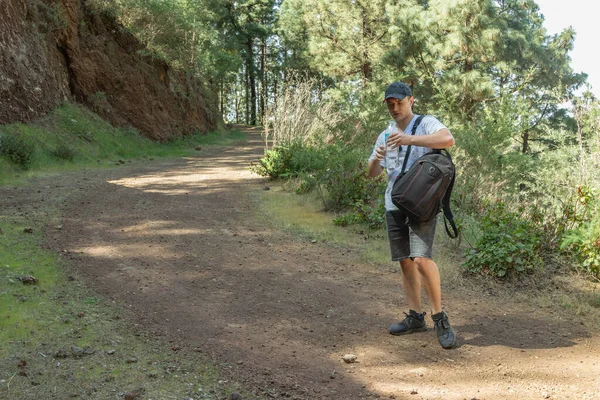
x: 442, y: 323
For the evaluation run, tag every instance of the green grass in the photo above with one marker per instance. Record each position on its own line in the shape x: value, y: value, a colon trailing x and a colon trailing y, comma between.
x: 72, y: 137
x: 21, y: 256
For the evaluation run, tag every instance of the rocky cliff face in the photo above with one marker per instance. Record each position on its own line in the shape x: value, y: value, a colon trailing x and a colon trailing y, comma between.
x: 53, y: 51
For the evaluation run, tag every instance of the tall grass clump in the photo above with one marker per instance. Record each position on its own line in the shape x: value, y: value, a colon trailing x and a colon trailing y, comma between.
x: 301, y: 113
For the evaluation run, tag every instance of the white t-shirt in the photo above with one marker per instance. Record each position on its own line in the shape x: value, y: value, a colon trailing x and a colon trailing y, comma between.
x: 428, y: 125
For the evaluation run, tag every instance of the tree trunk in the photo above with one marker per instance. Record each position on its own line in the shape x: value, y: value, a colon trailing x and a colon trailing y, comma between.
x: 237, y: 100
x: 525, y: 137
x: 366, y: 67
x: 263, y: 85
x: 578, y: 118
x: 222, y: 100
x: 252, y: 80
x: 275, y: 86
x: 247, y: 92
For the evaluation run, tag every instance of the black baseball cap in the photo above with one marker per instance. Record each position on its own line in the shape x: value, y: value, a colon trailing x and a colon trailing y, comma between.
x: 397, y: 90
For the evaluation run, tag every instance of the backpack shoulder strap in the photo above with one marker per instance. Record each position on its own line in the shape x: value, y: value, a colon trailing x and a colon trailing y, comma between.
x: 448, y: 216
x: 414, y: 130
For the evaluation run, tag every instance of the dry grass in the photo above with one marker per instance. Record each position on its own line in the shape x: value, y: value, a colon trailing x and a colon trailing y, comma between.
x: 300, y: 113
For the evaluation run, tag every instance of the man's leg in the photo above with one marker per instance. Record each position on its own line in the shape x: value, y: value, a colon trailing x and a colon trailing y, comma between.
x: 411, y: 280
x: 398, y: 235
x: 415, y: 319
x: 430, y: 280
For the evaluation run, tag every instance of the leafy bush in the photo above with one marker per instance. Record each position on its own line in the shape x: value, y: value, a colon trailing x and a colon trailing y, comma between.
x: 335, y: 172
x: 305, y: 183
x: 369, y: 214
x: 583, y: 240
x: 306, y: 158
x: 585, y: 244
x: 64, y: 152
x: 17, y: 149
x: 292, y: 160
x: 275, y: 163
x: 361, y: 119
x: 345, y: 186
x: 508, y: 244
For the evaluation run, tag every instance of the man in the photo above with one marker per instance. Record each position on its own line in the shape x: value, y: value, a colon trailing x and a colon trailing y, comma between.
x: 411, y: 242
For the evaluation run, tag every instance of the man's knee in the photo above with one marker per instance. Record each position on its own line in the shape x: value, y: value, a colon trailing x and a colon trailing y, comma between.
x: 408, y: 265
x: 423, y: 263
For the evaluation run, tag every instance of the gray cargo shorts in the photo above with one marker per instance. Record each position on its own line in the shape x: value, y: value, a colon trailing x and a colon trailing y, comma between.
x: 409, y: 239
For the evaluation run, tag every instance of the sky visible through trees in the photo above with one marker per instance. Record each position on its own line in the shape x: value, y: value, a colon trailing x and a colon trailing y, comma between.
x: 582, y: 16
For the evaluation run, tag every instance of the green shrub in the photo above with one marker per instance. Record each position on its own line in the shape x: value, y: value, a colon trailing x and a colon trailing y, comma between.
x: 275, y: 163
x: 306, y: 158
x: 305, y: 183
x: 583, y: 240
x: 292, y: 160
x: 337, y: 173
x: 345, y: 186
x: 17, y: 149
x: 64, y: 152
x: 508, y: 243
x: 584, y: 244
x: 373, y: 215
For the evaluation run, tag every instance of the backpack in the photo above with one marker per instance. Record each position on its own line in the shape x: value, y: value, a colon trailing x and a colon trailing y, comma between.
x: 426, y: 187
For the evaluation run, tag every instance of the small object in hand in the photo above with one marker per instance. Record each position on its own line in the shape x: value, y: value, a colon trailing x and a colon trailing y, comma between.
x: 28, y: 279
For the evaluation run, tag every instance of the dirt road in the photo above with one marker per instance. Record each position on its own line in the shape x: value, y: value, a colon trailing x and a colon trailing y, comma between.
x: 175, y: 242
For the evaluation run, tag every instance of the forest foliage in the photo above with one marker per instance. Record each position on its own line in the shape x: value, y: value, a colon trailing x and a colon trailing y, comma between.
x: 312, y: 72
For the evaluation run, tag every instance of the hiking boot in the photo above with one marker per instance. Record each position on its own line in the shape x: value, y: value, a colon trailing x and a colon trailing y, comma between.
x: 413, y: 322
x: 445, y: 334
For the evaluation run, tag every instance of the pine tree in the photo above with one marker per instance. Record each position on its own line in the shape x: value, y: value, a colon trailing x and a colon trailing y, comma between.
x: 345, y: 39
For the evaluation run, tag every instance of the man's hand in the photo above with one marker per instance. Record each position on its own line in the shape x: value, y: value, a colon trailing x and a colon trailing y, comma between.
x: 380, y: 153
x: 398, y: 139
x: 375, y: 164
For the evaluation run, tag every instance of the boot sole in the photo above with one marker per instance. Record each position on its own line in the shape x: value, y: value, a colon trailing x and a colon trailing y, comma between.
x: 423, y: 329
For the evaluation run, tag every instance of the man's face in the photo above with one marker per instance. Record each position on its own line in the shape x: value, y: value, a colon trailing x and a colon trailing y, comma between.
x: 400, y: 109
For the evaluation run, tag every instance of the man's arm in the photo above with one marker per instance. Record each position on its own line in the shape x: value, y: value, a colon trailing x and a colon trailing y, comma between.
x: 375, y: 167
x: 375, y: 163
x: 441, y: 139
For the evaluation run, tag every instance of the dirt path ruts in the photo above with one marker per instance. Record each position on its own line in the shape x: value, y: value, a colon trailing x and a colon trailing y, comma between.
x: 176, y: 244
